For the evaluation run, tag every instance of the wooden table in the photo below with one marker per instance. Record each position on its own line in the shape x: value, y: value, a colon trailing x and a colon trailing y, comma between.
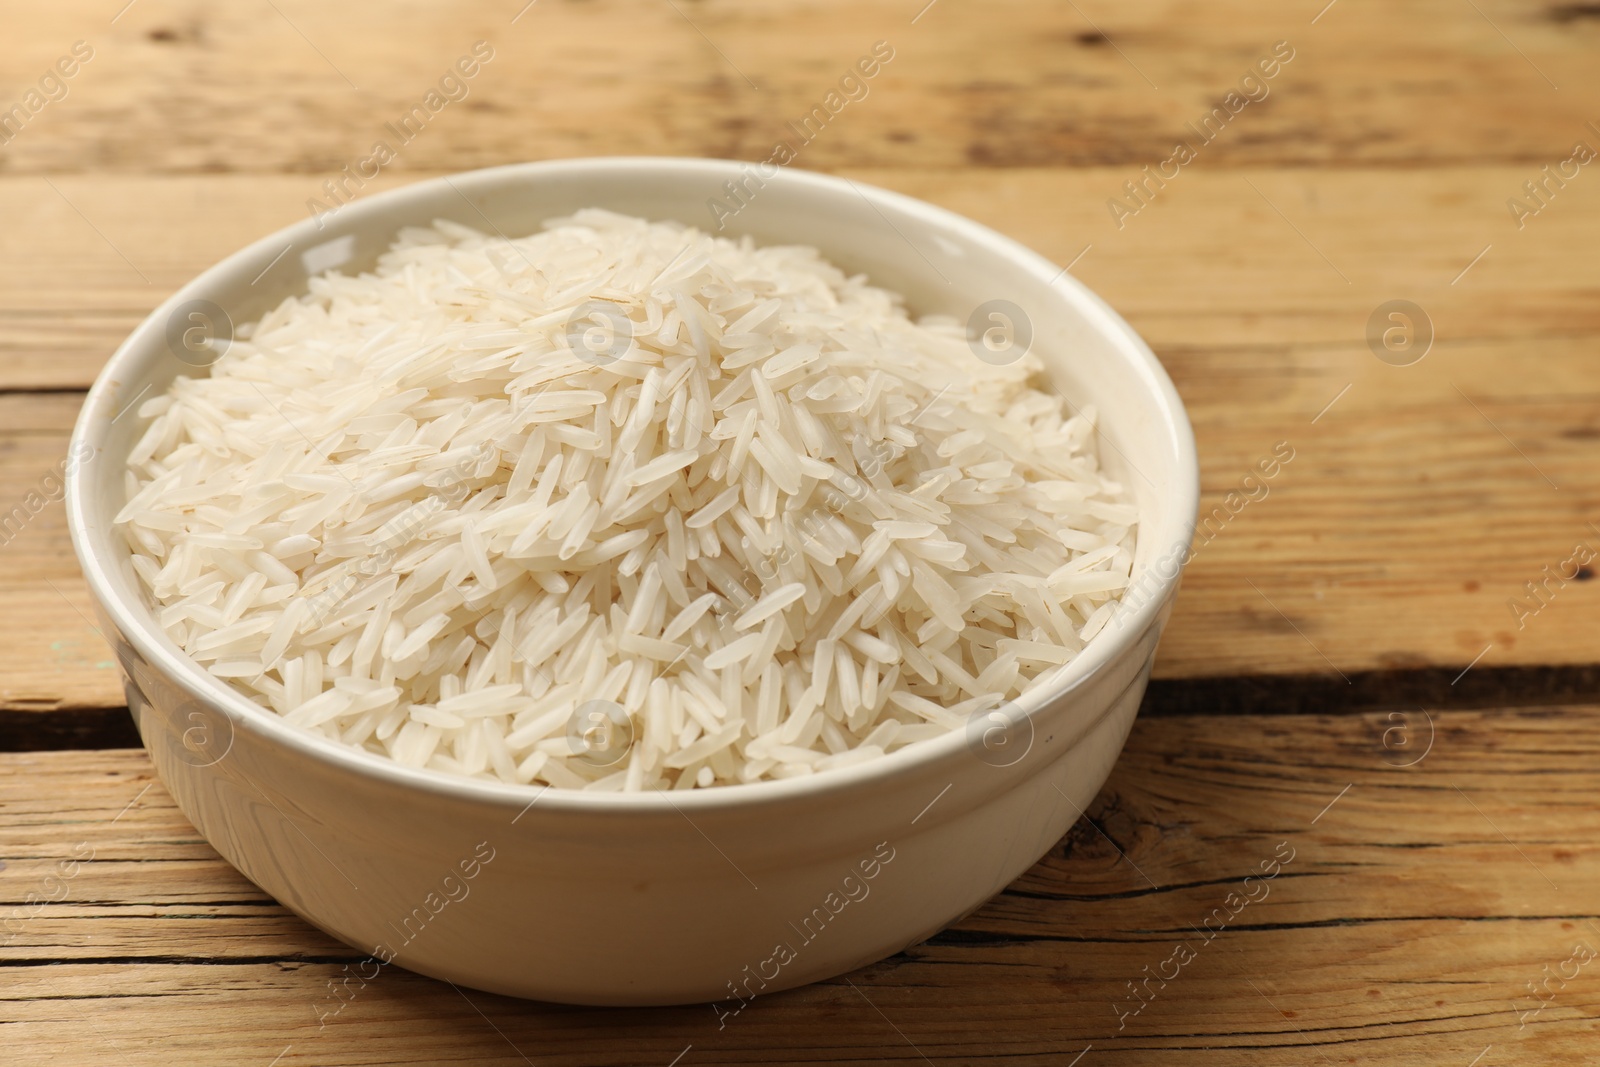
x: 1348, y: 687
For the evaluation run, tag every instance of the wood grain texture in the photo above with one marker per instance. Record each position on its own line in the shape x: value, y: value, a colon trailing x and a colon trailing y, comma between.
x: 299, y: 86
x: 1416, y: 507
x: 1414, y: 907
x: 1424, y: 902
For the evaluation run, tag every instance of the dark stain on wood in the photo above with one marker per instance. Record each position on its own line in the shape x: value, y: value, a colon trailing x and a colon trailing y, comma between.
x: 1565, y: 14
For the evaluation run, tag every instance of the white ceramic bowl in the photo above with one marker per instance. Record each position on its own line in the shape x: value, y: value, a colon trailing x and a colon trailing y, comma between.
x: 707, y: 895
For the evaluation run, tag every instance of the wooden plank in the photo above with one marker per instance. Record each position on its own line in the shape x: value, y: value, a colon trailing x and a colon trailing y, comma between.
x: 305, y: 87
x: 52, y: 654
x: 1416, y: 507
x: 1246, y: 305
x: 1412, y: 908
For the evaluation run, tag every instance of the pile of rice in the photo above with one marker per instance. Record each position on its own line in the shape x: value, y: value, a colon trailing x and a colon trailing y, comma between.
x: 424, y: 512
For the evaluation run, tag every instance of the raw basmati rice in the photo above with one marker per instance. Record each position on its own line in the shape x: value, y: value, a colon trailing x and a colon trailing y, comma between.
x: 436, y: 510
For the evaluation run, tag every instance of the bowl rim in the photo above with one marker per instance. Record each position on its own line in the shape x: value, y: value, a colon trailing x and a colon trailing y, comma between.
x: 138, y: 627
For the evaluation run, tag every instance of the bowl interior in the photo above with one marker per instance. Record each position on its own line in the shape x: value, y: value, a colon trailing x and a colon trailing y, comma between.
x: 941, y: 262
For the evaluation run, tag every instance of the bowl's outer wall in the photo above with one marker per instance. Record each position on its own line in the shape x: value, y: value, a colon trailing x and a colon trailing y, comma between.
x: 667, y: 902
x: 638, y: 911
